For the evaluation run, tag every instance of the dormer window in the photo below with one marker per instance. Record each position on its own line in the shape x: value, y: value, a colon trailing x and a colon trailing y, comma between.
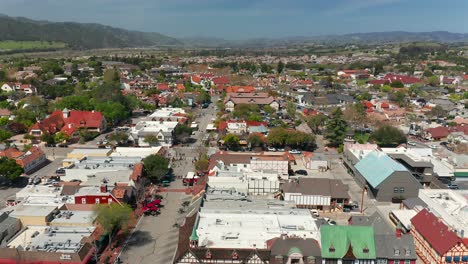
x: 407, y: 252
x: 331, y: 249
x: 365, y: 250
x: 397, y: 252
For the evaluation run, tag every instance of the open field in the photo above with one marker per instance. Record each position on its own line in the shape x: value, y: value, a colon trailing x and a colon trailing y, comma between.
x: 10, y: 45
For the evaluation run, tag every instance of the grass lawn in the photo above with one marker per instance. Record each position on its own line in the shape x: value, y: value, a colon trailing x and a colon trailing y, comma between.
x: 8, y: 45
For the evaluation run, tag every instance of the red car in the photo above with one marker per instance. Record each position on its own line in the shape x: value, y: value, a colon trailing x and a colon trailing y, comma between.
x: 154, y: 210
x: 153, y: 203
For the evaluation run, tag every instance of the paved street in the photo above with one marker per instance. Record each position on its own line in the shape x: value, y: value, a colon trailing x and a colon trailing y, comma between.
x: 155, y: 238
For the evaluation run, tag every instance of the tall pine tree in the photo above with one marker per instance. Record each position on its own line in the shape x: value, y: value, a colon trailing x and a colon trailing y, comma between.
x: 336, y: 129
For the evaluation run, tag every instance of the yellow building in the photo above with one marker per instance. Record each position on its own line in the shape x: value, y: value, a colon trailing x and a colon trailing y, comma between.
x: 80, y: 154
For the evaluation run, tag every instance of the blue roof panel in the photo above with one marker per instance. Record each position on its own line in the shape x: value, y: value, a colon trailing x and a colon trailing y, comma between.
x: 376, y: 166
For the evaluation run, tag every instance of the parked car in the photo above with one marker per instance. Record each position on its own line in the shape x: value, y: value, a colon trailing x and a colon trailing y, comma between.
x: 411, y: 143
x: 433, y: 146
x: 60, y: 171
x: 271, y: 149
x: 301, y: 172
x: 281, y: 149
x: 154, y: 210
x: 295, y: 151
x: 453, y: 186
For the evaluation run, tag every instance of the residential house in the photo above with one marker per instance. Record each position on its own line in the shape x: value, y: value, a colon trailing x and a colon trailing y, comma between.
x: 385, y: 178
x: 347, y: 244
x: 30, y: 160
x: 69, y: 122
x: 435, y: 242
x: 322, y: 194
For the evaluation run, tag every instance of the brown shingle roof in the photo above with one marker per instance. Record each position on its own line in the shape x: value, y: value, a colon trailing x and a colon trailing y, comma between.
x: 325, y: 187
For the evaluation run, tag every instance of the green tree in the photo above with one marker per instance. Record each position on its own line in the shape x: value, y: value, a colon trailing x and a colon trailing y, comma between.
x: 48, y: 138
x: 202, y: 165
x: 5, y: 134
x: 243, y: 111
x: 433, y: 80
x: 355, y: 114
x: 182, y: 133
x: 119, y: 137
x: 231, y: 141
x: 61, y: 137
x: 255, y: 141
x: 111, y: 76
x: 151, y: 139
x: 437, y: 111
x: 365, y: 96
x: 291, y: 110
x: 113, y: 217
x: 9, y: 170
x: 428, y: 73
x: 3, y: 76
x: 388, y: 136
x: 336, y: 129
x: 280, y: 67
x: 202, y: 97
x: 316, y: 122
x: 269, y: 110
x: 155, y: 167
x: 397, y: 84
x: 281, y: 137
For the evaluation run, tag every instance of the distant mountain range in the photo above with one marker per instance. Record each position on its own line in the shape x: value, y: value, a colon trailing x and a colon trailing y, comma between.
x: 89, y: 36
x: 78, y: 35
x: 354, y: 38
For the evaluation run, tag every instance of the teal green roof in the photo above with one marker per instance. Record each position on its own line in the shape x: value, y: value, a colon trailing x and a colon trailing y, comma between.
x: 294, y: 250
x: 461, y: 174
x: 194, y: 236
x: 342, y: 237
x: 377, y: 166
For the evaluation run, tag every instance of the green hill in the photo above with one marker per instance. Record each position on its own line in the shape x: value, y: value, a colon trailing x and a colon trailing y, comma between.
x: 78, y: 35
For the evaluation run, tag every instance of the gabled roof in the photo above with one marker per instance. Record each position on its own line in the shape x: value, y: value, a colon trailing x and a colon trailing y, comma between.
x: 377, y: 166
x: 284, y: 247
x: 316, y: 186
x: 435, y: 232
x: 337, y: 240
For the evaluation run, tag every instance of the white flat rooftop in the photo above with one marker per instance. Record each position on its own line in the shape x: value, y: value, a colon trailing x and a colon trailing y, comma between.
x: 74, y: 217
x: 135, y: 152
x: 450, y: 205
x: 51, y: 239
x: 32, y: 210
x: 252, y: 229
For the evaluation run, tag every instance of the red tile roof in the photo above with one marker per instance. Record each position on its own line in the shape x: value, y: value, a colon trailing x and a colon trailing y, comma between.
x: 379, y: 82
x: 23, y: 158
x: 439, y: 132
x: 163, y: 86
x: 367, y: 104
x: 385, y: 105
x: 76, y: 119
x: 221, y: 80
x: 137, y: 172
x: 402, y: 78
x: 240, y: 89
x: 435, y: 232
x: 196, y: 79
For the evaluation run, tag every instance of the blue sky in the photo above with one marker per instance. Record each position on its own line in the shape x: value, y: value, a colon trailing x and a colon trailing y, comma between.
x: 242, y: 19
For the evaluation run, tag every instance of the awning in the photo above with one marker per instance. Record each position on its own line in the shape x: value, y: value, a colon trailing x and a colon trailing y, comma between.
x: 461, y: 174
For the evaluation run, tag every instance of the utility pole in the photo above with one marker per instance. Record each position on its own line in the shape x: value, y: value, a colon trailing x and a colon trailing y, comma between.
x: 364, y: 191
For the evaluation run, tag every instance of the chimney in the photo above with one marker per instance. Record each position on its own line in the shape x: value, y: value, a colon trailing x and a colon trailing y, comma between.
x: 104, y: 188
x: 70, y: 125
